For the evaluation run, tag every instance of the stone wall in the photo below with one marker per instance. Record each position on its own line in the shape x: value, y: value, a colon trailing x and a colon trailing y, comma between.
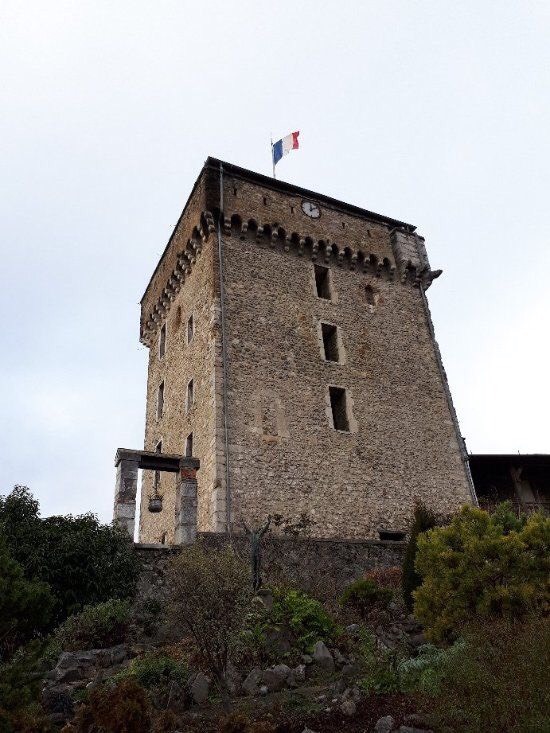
x: 182, y: 362
x: 285, y: 455
x: 322, y: 567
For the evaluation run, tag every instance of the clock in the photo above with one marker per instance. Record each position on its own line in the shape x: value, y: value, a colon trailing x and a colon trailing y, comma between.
x: 311, y: 209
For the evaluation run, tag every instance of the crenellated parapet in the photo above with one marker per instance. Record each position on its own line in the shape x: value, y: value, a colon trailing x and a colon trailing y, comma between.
x: 409, y: 265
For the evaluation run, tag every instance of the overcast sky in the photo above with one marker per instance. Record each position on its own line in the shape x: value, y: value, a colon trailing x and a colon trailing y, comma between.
x: 436, y: 113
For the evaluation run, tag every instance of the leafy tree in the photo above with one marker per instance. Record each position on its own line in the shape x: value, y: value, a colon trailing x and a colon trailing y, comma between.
x: 25, y: 606
x: 423, y: 520
x: 84, y: 562
x: 482, y: 565
x: 210, y: 595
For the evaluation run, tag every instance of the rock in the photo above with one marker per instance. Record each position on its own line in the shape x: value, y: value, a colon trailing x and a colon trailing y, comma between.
x: 307, y: 659
x: 308, y: 730
x: 349, y: 671
x: 251, y: 685
x: 263, y: 690
x: 348, y: 707
x: 353, y: 629
x: 416, y: 640
x: 351, y: 693
x: 323, y: 657
x: 384, y: 725
x: 340, y: 686
x: 274, y: 678
x: 415, y: 720
x: 66, y: 660
x: 199, y: 688
x: 297, y: 676
x: 266, y: 597
x: 339, y: 658
x: 408, y: 729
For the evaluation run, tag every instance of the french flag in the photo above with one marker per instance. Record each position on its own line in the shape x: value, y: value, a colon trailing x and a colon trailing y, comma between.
x: 284, y: 146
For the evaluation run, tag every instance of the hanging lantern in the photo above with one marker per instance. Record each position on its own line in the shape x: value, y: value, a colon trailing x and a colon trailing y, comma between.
x: 155, y: 503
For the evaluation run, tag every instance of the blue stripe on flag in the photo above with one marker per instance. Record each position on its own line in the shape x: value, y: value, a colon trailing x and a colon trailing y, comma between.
x: 277, y: 151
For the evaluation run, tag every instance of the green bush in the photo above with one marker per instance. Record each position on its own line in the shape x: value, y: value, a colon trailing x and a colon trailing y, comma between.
x: 25, y: 606
x: 304, y: 616
x: 500, y: 680
x: 84, y: 562
x: 156, y: 670
x: 20, y: 683
x: 482, y: 565
x: 424, y: 671
x: 95, y: 627
x: 365, y: 596
x: 423, y: 520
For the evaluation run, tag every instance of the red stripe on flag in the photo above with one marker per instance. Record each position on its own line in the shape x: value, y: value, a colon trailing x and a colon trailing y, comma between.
x: 295, y: 143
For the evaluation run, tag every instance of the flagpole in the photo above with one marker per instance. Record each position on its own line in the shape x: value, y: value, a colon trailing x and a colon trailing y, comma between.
x: 272, y: 158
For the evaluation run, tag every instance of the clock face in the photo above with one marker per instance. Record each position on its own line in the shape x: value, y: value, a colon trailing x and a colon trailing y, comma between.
x: 311, y: 209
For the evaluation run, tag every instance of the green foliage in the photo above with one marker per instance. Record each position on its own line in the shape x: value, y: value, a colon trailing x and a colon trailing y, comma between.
x: 423, y: 520
x: 84, y: 562
x: 95, y: 627
x: 20, y: 682
x: 482, y: 565
x: 303, y: 615
x: 210, y: 597
x: 424, y: 672
x: 365, y: 596
x: 156, y: 670
x: 25, y: 606
x: 500, y: 680
x: 122, y: 708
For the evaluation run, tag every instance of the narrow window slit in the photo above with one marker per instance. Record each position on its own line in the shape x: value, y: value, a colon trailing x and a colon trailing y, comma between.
x: 322, y: 282
x: 338, y: 405
x: 330, y: 342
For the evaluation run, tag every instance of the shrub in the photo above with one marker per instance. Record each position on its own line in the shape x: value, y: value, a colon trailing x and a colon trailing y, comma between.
x: 99, y: 626
x: 123, y: 708
x: 210, y: 595
x: 480, y: 566
x: 25, y: 606
x: 303, y: 615
x: 500, y: 681
x: 156, y: 670
x: 365, y: 596
x: 84, y: 562
x: 423, y: 520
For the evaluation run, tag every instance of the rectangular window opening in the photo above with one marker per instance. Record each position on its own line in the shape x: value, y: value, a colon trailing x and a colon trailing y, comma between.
x: 338, y: 405
x: 330, y: 342
x: 190, y: 394
x: 160, y: 400
x: 162, y: 341
x: 190, y: 329
x: 322, y: 283
x: 189, y: 445
x: 156, y: 480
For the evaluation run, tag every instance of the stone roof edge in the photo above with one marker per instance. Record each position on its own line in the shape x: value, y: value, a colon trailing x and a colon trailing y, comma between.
x: 278, y: 185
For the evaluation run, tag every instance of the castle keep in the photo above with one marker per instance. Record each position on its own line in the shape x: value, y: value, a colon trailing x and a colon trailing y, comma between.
x: 291, y: 351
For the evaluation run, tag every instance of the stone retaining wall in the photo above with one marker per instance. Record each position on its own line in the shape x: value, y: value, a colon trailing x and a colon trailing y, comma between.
x: 322, y: 567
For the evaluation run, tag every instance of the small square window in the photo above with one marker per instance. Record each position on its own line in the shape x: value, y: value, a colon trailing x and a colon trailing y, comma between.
x: 162, y: 340
x: 322, y: 282
x: 189, y: 445
x: 338, y: 405
x: 190, y: 394
x: 160, y: 400
x: 330, y: 342
x: 190, y: 329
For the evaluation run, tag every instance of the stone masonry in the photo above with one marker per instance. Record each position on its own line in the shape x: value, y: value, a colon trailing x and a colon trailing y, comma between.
x: 333, y: 401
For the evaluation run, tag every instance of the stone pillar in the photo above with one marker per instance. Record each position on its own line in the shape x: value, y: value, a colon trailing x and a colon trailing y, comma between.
x: 124, y: 512
x: 186, y: 502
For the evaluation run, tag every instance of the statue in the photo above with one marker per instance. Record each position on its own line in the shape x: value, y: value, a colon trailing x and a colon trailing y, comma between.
x: 256, y: 552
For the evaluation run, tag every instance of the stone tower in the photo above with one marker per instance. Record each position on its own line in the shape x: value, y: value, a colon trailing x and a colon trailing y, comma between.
x: 291, y: 350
